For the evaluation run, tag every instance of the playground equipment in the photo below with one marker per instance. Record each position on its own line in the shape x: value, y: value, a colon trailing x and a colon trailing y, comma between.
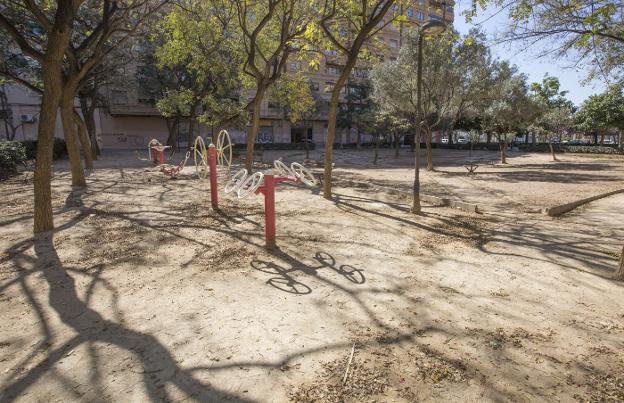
x: 174, y: 170
x: 265, y: 183
x: 156, y: 151
x: 223, y: 148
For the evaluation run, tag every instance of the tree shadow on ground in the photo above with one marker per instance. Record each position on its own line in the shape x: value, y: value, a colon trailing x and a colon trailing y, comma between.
x: 159, y: 367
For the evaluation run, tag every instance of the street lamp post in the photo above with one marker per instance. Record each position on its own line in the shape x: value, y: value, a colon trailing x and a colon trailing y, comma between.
x: 430, y: 28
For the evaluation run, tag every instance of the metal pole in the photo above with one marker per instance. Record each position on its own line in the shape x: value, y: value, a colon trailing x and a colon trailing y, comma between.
x: 269, y: 209
x: 416, y: 203
x: 212, y: 165
x: 161, y: 156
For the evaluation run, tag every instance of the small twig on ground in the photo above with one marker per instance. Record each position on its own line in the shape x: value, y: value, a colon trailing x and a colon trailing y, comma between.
x: 344, y: 379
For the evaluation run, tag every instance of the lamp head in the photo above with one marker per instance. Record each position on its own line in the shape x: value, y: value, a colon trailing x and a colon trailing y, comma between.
x: 433, y: 27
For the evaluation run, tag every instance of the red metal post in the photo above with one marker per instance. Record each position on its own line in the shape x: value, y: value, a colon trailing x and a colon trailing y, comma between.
x: 212, y: 164
x: 269, y: 209
x: 161, y: 156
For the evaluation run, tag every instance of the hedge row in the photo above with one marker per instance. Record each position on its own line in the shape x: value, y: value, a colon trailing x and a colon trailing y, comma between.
x: 592, y: 149
x: 275, y: 146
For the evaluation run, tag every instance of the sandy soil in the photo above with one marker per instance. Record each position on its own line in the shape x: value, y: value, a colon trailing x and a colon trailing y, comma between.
x: 144, y: 293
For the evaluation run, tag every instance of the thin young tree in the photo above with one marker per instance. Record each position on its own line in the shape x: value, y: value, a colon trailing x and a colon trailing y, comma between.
x: 269, y: 33
x: 347, y: 26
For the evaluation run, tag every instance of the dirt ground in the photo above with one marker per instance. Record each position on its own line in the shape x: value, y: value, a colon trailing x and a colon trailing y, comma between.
x: 143, y: 292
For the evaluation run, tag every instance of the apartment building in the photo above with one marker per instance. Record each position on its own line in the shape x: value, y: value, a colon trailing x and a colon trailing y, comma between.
x: 131, y: 120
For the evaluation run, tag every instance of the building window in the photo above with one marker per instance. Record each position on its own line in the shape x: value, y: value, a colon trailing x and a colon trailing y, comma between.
x: 420, y: 15
x: 435, y: 17
x: 147, y: 100
x: 273, y: 105
x: 394, y: 43
x: 329, y: 86
x: 119, y: 97
x: 360, y: 72
x: 421, y: 2
x: 331, y: 52
x: 410, y: 12
x: 294, y: 66
x: 333, y: 69
x: 343, y: 32
x: 314, y: 86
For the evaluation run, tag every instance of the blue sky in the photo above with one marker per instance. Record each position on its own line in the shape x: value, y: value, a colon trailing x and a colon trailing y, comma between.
x: 526, y: 60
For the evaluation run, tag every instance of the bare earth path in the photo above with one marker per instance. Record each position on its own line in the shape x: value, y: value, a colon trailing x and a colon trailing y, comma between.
x: 144, y: 293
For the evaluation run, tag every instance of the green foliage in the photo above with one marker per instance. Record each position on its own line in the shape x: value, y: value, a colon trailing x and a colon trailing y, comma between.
x: 510, y: 109
x: 356, y: 106
x: 553, y: 112
x: 11, y: 154
x: 59, y: 149
x: 292, y: 92
x: 603, y: 112
x: 192, y: 62
x: 588, y: 32
x: 457, y: 79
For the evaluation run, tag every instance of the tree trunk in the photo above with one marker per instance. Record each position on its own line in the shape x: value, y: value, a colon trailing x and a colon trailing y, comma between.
x: 376, y: 149
x: 416, y: 208
x: 503, y: 148
x: 552, y: 150
x: 58, y: 41
x: 358, y: 139
x: 307, y: 143
x: 88, y: 112
x: 4, y: 105
x: 331, y: 123
x: 602, y: 136
x: 429, y: 149
x: 619, y: 274
x: 253, y: 130
x: 69, y: 131
x: 489, y: 137
x: 191, y: 130
x: 81, y: 127
x: 172, y: 128
x: 396, y: 145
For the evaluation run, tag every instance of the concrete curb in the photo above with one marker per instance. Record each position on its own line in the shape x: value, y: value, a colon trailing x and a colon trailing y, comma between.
x: 556, y: 211
x: 436, y: 201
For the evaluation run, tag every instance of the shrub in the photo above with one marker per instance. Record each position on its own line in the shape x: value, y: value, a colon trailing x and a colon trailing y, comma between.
x: 60, y: 149
x: 11, y: 154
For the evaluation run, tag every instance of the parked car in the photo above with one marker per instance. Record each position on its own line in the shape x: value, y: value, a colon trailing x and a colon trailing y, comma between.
x: 444, y: 140
x: 462, y: 140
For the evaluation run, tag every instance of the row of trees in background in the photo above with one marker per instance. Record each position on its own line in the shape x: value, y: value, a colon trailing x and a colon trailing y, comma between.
x: 207, y: 56
x: 465, y: 88
x: 215, y: 61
